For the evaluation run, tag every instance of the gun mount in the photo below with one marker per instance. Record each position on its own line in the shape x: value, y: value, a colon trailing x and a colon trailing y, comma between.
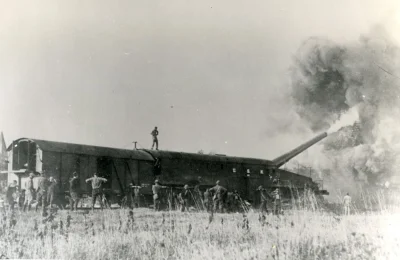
x: 281, y: 160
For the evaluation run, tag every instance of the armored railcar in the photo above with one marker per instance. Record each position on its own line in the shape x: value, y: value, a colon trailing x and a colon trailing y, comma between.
x: 141, y: 167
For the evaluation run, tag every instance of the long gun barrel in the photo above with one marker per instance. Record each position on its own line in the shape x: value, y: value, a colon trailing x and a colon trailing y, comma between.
x: 281, y: 160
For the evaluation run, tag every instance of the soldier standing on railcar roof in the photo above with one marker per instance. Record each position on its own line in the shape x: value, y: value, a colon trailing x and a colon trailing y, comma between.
x: 43, y: 185
x: 29, y: 192
x: 154, y: 133
x: 219, y: 194
x: 74, y: 192
x: 96, y: 189
x: 157, y: 194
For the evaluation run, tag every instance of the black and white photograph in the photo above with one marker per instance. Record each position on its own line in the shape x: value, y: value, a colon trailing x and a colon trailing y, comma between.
x: 200, y: 129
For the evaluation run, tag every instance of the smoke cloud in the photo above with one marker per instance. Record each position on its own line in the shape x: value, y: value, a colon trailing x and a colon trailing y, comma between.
x: 352, y: 91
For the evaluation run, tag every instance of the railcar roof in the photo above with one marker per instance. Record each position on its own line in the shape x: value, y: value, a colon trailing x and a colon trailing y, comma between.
x: 206, y: 157
x: 63, y: 147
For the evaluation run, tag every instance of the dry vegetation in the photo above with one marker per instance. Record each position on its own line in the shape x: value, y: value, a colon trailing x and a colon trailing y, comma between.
x: 144, y: 234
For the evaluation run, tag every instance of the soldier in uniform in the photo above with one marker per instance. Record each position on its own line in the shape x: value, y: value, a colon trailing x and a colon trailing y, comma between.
x: 277, y: 201
x: 51, y: 192
x: 96, y: 189
x: 264, y: 197
x: 157, y: 194
x: 29, y: 192
x: 74, y: 192
x: 207, y: 199
x: 218, y: 197
x: 136, y: 196
x: 43, y: 185
x: 236, y: 201
x: 127, y: 200
x: 185, y: 195
x: 11, y: 194
x: 154, y: 133
x: 133, y: 196
x: 346, y: 204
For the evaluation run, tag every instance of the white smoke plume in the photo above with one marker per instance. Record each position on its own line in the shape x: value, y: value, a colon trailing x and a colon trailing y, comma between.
x: 352, y: 91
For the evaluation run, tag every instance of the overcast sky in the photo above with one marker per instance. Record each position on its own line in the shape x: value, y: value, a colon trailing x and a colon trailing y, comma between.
x: 212, y: 75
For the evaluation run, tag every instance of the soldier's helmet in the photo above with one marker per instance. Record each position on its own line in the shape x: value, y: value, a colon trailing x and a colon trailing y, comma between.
x: 260, y: 187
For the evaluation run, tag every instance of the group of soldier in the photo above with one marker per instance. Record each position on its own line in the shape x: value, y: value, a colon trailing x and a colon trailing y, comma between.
x: 215, y: 199
x: 47, y: 193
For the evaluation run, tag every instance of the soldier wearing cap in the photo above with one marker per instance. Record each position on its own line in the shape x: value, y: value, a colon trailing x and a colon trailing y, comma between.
x: 29, y: 192
x: 157, y: 194
x: 219, y: 193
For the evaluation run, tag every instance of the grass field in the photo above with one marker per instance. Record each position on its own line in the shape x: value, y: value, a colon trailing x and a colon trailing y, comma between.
x: 115, y: 234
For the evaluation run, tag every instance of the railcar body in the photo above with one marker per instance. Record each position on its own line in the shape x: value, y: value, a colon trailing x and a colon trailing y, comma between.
x: 141, y: 167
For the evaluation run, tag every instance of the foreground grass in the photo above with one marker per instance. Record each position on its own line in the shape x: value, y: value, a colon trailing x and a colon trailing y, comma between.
x: 115, y: 234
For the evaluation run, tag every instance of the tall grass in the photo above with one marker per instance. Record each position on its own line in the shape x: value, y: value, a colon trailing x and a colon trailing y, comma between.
x: 307, y: 231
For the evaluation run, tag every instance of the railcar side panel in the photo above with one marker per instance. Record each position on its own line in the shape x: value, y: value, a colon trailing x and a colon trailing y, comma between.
x: 52, y: 165
x: 118, y: 176
x: 132, y: 171
x: 69, y: 164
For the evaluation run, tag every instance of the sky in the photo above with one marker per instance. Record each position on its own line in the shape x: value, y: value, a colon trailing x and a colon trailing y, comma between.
x: 212, y: 75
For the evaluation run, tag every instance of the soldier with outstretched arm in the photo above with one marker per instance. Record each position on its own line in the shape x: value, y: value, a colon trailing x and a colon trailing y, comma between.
x: 96, y: 189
